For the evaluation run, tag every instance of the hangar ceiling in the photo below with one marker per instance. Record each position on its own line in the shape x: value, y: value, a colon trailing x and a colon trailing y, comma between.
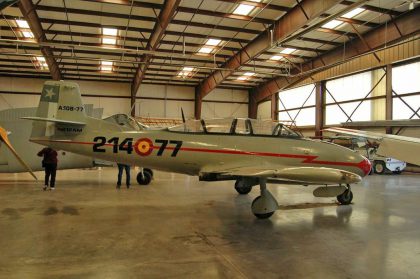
x: 200, y: 43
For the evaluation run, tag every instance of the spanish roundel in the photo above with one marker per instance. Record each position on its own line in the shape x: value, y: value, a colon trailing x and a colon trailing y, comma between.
x: 143, y: 147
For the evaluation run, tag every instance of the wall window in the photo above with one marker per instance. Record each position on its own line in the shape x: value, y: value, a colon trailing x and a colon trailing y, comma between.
x: 298, y: 105
x: 405, y: 80
x: 339, y: 96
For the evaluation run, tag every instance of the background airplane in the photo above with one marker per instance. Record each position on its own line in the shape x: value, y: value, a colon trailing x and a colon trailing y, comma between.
x: 249, y: 151
x: 399, y: 147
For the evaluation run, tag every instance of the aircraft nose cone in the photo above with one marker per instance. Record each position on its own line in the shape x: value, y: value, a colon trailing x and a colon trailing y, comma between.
x: 365, y: 165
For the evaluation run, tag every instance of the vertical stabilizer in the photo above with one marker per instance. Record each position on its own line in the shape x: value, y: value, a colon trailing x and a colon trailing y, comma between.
x: 60, y: 105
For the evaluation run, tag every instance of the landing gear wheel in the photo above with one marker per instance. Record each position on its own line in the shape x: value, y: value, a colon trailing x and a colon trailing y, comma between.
x: 149, y: 171
x: 242, y: 188
x: 379, y: 167
x: 346, y: 197
x: 261, y: 215
x: 144, y: 178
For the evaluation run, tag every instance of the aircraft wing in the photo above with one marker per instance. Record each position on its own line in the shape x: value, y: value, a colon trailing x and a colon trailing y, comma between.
x: 303, y: 175
x: 399, y: 147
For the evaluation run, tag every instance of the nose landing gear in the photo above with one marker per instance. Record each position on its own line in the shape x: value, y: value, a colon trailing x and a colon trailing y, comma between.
x: 346, y: 197
x: 145, y: 176
x: 264, y: 205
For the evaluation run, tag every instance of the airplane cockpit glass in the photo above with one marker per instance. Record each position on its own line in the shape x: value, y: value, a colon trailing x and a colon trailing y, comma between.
x: 190, y: 126
x: 263, y: 127
x: 125, y: 121
x: 237, y: 126
x: 219, y: 126
x: 242, y: 127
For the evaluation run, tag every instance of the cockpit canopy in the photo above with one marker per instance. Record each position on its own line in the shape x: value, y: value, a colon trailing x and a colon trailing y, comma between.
x: 126, y: 122
x: 236, y: 126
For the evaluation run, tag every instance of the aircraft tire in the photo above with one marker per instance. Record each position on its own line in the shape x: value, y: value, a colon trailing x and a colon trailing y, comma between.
x: 241, y: 189
x: 379, y: 167
x: 149, y: 170
x: 261, y: 215
x: 144, y: 178
x: 345, y: 198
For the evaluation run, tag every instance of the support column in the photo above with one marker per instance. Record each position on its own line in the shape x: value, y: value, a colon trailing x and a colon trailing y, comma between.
x: 198, y: 101
x: 388, y: 97
x: 275, y: 106
x: 252, y: 105
x: 133, y: 101
x: 319, y: 107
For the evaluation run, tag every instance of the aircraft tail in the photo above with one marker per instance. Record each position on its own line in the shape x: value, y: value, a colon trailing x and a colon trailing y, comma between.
x: 60, y: 108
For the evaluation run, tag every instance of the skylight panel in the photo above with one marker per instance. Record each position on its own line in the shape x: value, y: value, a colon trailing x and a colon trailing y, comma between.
x: 213, y: 42
x: 353, y: 13
x: 27, y: 34
x: 206, y: 50
x: 109, y: 31
x: 106, y: 66
x: 109, y: 41
x: 287, y: 50
x: 332, y: 24
x: 276, y: 57
x: 186, y: 72
x: 41, y: 62
x: 244, y: 9
x: 187, y: 69
x: 22, y: 23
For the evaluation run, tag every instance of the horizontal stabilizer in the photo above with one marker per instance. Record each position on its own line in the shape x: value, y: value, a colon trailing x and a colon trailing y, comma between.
x: 55, y: 120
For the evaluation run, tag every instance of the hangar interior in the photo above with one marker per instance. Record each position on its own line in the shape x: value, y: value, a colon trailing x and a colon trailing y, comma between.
x: 311, y: 64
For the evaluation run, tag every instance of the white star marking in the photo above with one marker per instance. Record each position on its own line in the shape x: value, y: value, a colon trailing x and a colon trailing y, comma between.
x: 49, y: 93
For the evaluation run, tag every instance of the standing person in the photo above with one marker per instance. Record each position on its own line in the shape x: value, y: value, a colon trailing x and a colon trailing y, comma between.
x: 49, y: 163
x: 121, y: 168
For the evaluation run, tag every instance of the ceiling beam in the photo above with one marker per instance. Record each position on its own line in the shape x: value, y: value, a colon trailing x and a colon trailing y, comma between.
x: 27, y: 9
x: 144, y: 18
x: 165, y: 16
x: 296, y: 18
x: 400, y: 28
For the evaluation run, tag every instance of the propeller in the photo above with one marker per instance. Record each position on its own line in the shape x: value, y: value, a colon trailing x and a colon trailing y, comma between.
x: 5, y: 139
x: 183, y: 116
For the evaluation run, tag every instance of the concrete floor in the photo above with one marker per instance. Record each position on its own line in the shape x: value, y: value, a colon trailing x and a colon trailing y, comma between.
x: 181, y: 228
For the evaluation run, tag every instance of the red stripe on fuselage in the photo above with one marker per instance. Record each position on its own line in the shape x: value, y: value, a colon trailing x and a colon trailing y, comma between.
x: 308, y: 159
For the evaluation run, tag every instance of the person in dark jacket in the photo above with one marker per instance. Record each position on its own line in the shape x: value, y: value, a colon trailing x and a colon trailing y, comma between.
x: 121, y: 168
x: 49, y: 163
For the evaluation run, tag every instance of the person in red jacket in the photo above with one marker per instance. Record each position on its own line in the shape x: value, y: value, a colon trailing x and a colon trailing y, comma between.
x: 49, y: 163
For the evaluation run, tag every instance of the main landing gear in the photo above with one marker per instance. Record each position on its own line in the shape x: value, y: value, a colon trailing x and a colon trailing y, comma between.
x: 145, y: 176
x: 264, y: 205
x: 242, y: 187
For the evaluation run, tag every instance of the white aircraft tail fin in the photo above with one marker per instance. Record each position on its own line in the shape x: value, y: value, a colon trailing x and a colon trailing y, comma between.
x: 60, y: 107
